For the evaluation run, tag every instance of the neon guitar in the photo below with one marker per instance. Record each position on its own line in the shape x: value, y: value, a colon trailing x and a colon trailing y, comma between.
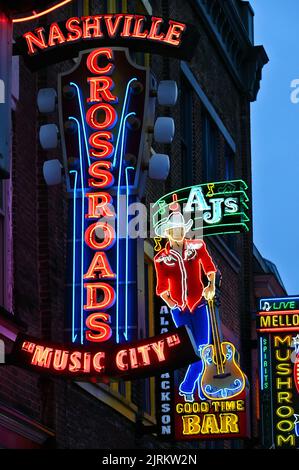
x: 222, y: 377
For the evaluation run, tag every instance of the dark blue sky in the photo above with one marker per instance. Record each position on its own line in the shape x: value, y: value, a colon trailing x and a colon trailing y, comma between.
x: 275, y: 140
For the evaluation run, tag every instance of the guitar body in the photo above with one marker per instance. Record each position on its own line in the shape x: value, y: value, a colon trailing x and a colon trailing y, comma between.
x: 230, y: 382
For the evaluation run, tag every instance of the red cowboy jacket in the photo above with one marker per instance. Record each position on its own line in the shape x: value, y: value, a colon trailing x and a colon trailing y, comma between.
x: 181, y: 275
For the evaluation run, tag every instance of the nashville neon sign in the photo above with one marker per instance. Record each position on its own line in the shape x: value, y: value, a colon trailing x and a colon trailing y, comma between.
x: 99, y: 26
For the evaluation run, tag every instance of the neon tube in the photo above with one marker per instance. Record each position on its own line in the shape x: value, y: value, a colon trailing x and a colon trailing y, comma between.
x: 118, y: 224
x: 82, y: 221
x: 122, y: 119
x: 127, y: 250
x: 42, y: 13
x: 262, y: 364
x: 74, y: 337
x: 82, y: 120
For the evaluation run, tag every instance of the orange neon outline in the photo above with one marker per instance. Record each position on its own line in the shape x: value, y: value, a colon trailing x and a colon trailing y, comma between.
x: 110, y: 116
x: 109, y: 236
x: 152, y: 35
x: 274, y: 312
x: 96, y: 208
x: 127, y: 26
x: 119, y: 359
x: 104, y: 269
x: 58, y: 37
x: 104, y: 329
x: 42, y: 13
x: 171, y: 33
x: 109, y: 296
x: 100, y: 70
x: 97, y: 361
x: 280, y: 330
x: 95, y: 26
x: 95, y: 170
x: 139, y: 23
x: 100, y: 90
x: 73, y: 29
x: 37, y: 40
x: 101, y: 140
x: 112, y: 28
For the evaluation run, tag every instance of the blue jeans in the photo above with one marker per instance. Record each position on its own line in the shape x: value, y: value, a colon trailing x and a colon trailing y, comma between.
x: 199, y: 323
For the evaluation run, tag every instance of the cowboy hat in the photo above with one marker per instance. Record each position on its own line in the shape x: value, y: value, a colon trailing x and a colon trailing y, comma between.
x: 174, y: 220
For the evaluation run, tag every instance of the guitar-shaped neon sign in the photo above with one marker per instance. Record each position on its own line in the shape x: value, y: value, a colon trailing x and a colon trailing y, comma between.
x: 102, y: 104
x: 222, y: 377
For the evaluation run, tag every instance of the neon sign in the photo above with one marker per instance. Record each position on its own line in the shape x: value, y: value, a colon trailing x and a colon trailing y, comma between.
x: 98, y: 99
x: 59, y: 41
x: 181, y: 267
x: 279, y: 375
x: 136, y: 359
x: 217, y: 208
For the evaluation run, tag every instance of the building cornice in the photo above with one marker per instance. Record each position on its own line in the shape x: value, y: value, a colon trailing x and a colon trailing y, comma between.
x: 235, y: 43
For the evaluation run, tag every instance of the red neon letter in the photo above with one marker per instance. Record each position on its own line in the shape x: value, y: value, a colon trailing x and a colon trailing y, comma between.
x: 106, y: 178
x: 71, y: 26
x: 106, y: 149
x: 98, y: 357
x: 153, y: 34
x: 93, y: 231
x: 92, y: 291
x: 104, y: 331
x: 127, y: 26
x: 99, y: 204
x: 112, y: 28
x: 60, y: 359
x: 75, y: 361
x: 92, y: 63
x: 137, y: 32
x: 120, y: 356
x: 100, y: 90
x: 174, y: 34
x: 101, y: 265
x: 55, y: 35
x: 38, y: 41
x: 159, y: 350
x: 42, y: 357
x: 92, y: 23
x: 144, y: 352
x: 110, y: 116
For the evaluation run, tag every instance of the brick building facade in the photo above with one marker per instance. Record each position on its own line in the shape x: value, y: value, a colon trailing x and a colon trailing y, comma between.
x: 212, y: 143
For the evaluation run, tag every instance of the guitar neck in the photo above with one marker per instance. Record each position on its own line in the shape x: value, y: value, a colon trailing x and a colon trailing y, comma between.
x: 216, y: 337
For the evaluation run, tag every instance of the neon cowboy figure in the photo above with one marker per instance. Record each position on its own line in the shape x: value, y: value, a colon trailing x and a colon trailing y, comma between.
x: 179, y: 269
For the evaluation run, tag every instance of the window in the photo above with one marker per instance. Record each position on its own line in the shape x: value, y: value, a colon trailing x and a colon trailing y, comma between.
x: 210, y: 147
x: 186, y: 133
